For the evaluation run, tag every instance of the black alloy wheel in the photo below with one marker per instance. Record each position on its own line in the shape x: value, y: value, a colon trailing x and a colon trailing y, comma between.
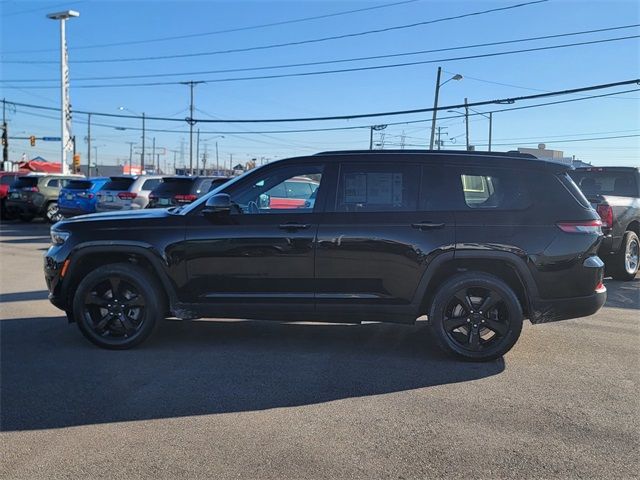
x: 476, y: 316
x: 117, y: 306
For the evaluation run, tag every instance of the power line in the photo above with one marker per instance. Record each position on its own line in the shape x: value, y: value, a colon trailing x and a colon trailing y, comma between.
x: 554, y: 141
x: 343, y: 60
x: 289, y: 44
x: 343, y: 70
x: 508, y: 101
x: 218, y: 32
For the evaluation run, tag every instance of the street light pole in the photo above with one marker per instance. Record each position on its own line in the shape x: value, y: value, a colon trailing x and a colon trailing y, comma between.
x: 490, y: 128
x: 457, y: 76
x: 65, y: 111
x: 217, y: 160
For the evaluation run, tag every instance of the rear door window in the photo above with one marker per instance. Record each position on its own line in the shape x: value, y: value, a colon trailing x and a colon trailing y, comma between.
x: 435, y: 190
x: 494, y: 189
x: 54, y: 182
x: 174, y: 186
x: 379, y: 187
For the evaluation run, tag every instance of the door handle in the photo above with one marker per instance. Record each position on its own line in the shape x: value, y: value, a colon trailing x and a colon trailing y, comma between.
x: 294, y: 226
x: 427, y: 225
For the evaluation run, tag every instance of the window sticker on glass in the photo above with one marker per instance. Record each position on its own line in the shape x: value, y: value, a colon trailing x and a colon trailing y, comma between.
x: 355, y: 188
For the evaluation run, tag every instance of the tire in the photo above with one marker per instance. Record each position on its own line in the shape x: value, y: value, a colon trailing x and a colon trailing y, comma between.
x: 123, y: 320
x: 466, y: 327
x: 624, y: 264
x: 25, y: 218
x: 52, y: 213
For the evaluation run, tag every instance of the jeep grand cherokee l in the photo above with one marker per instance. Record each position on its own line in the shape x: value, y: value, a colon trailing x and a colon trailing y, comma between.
x: 475, y: 241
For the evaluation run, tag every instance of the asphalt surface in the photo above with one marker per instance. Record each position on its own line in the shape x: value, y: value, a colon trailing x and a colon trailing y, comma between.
x: 234, y: 399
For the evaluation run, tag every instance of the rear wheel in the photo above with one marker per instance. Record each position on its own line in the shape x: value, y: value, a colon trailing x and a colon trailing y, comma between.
x: 476, y: 316
x: 624, y: 264
x: 52, y: 213
x: 117, y: 306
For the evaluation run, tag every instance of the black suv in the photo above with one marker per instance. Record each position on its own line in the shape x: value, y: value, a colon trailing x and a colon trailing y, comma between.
x: 180, y: 190
x: 475, y: 241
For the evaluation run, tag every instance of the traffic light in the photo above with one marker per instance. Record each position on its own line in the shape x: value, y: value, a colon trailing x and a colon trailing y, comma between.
x: 32, y: 139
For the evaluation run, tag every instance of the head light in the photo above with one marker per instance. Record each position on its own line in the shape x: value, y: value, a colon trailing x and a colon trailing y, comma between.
x: 58, y: 237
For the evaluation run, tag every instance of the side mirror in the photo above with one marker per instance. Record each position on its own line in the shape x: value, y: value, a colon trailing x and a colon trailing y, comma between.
x: 218, y: 203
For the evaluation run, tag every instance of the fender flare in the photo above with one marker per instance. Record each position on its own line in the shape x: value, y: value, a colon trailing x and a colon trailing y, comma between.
x: 157, y: 262
x: 513, y: 260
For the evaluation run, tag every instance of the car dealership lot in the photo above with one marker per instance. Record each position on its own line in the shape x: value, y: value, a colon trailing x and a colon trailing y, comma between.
x: 264, y: 400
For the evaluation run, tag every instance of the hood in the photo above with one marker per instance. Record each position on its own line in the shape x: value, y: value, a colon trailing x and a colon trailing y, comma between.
x: 121, y: 215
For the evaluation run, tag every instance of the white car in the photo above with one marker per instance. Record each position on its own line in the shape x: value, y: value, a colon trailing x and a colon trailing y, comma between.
x: 126, y: 193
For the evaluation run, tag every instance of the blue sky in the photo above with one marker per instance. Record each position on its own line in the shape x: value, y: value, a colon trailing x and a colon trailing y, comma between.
x: 28, y: 35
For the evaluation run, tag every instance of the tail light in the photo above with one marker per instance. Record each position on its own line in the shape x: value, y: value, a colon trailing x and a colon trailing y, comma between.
x: 600, y: 287
x: 185, y: 198
x: 86, y: 195
x: 127, y: 195
x: 606, y: 214
x: 586, y: 226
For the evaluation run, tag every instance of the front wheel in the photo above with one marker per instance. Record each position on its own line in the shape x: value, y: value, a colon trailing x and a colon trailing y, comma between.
x: 117, y: 306
x: 476, y: 316
x: 625, y: 263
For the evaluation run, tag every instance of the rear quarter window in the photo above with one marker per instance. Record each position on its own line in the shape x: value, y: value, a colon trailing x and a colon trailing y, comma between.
x: 493, y: 189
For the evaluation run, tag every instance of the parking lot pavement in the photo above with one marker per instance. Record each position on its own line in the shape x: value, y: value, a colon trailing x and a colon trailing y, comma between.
x: 233, y: 399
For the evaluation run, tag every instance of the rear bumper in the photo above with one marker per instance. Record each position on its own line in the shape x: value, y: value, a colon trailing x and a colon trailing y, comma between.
x: 544, y: 311
x: 22, y: 208
x: 73, y: 212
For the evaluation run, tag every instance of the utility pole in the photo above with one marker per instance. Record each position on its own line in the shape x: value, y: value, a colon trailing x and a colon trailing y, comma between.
x: 490, y: 128
x: 371, y: 137
x: 198, y: 151
x: 88, y: 144
x: 217, y: 161
x: 191, y: 122
x: 142, y: 154
x: 5, y: 134
x: 174, y: 161
x: 439, y: 137
x: 153, y: 152
x: 231, y: 163
x: 466, y: 120
x: 131, y: 144
x: 435, y: 108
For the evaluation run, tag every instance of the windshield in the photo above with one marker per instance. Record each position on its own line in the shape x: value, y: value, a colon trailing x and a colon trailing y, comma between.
x: 618, y: 183
x: 118, y: 183
x: 193, y: 206
x: 173, y: 186
x: 25, y: 182
x: 78, y: 185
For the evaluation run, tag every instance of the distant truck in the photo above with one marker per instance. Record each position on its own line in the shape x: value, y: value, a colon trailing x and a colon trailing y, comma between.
x: 614, y: 192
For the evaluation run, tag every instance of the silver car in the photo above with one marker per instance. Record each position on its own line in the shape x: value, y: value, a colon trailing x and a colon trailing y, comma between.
x: 126, y: 193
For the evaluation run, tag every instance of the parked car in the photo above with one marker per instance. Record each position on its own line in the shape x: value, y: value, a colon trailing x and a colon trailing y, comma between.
x: 476, y: 241
x: 6, y: 179
x: 614, y: 192
x: 294, y: 193
x: 34, y: 195
x: 79, y: 197
x: 182, y: 190
x: 126, y: 193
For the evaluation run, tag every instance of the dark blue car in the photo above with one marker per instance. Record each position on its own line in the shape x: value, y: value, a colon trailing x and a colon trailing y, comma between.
x: 78, y: 197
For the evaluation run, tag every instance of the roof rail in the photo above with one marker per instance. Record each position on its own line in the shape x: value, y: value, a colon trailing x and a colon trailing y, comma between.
x: 511, y: 153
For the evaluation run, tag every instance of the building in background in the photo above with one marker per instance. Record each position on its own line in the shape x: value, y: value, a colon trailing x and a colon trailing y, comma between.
x: 543, y: 153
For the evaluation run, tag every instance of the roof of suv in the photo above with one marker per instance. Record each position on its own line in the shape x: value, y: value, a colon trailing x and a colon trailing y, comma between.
x: 490, y: 158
